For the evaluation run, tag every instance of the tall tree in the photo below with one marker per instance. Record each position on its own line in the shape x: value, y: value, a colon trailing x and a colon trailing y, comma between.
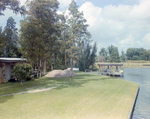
x: 63, y: 26
x: 147, y: 54
x: 84, y: 62
x: 11, y: 5
x: 77, y: 32
x: 123, y: 56
x: 39, y: 31
x: 10, y: 36
x: 2, y: 42
x: 93, y: 55
x: 113, y: 54
x: 103, y: 55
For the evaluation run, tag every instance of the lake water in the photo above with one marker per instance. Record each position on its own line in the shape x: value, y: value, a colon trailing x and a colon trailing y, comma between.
x: 142, y: 77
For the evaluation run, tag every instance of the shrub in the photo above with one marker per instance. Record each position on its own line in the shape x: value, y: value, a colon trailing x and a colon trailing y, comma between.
x: 22, y: 71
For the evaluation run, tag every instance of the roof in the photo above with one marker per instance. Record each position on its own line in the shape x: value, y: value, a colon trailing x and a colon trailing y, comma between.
x: 109, y: 64
x: 12, y: 59
x: 146, y: 65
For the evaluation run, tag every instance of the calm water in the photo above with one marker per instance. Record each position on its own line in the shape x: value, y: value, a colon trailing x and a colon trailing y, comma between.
x: 142, y: 77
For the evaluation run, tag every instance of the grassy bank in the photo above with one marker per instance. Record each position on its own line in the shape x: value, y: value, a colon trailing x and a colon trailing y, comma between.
x: 129, y: 64
x: 135, y: 65
x: 89, y: 96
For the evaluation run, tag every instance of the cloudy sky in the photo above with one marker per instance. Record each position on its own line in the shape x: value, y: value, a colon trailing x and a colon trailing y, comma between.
x: 123, y: 23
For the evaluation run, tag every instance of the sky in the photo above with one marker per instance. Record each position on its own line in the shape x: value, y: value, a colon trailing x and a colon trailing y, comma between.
x: 122, y: 23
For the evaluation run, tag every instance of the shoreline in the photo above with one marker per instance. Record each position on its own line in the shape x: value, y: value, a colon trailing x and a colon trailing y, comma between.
x: 134, y: 104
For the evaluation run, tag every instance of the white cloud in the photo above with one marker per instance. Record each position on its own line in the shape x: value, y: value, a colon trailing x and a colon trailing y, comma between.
x: 123, y: 25
x: 146, y: 40
x: 64, y: 3
x: 23, y: 2
x: 128, y: 41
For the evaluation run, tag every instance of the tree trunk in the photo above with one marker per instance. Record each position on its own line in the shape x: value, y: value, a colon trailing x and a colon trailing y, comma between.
x: 52, y: 67
x: 71, y: 63
x: 38, y: 72
x: 40, y: 69
x: 65, y: 49
x: 5, y: 54
x: 21, y: 83
x: 65, y: 58
x: 45, y: 66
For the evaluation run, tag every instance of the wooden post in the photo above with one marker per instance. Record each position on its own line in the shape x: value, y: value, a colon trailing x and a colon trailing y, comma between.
x: 116, y: 67
x: 108, y: 67
x: 4, y: 73
x: 0, y: 75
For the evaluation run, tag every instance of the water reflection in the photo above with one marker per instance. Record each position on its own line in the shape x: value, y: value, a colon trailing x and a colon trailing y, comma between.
x: 142, y: 77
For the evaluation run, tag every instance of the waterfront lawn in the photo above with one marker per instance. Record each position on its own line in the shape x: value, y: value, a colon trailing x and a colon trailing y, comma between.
x: 88, y: 96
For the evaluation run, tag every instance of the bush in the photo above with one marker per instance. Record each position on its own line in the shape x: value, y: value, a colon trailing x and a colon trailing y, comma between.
x: 22, y: 71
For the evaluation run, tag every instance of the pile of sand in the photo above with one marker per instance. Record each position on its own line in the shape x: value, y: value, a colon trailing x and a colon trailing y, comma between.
x: 60, y: 73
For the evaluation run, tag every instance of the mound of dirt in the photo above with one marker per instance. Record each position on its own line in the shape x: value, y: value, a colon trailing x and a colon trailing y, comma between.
x: 60, y: 73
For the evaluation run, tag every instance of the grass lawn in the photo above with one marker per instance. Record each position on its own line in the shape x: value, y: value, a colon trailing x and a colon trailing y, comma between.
x: 88, y: 96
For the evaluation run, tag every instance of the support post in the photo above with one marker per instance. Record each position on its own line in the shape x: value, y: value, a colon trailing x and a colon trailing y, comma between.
x: 108, y: 67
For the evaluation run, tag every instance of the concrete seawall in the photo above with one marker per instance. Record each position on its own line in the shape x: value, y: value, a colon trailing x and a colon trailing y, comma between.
x: 134, y: 103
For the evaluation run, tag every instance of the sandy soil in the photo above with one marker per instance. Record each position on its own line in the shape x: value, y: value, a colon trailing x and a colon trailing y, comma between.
x: 60, y: 73
x: 33, y: 91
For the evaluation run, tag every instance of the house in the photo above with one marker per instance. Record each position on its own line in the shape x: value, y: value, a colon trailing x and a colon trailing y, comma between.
x: 6, y: 65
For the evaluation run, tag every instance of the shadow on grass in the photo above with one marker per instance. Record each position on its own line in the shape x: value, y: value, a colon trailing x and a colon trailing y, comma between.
x: 45, y: 82
x: 77, y: 81
x: 4, y: 99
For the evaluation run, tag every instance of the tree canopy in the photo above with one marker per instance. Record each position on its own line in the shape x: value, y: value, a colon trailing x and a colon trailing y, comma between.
x: 138, y: 54
x: 13, y: 5
x: 39, y: 32
x: 113, y: 54
x: 9, y: 39
x: 123, y: 56
x: 77, y: 31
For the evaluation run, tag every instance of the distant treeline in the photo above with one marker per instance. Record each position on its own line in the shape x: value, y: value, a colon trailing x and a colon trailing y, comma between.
x: 138, y: 54
x: 111, y: 54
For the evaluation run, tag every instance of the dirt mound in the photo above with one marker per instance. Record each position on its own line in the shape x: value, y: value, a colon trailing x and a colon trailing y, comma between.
x: 60, y: 73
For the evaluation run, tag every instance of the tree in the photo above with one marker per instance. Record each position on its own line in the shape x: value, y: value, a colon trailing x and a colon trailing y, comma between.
x: 103, y: 55
x: 123, y: 57
x: 2, y: 42
x: 137, y: 54
x: 39, y: 31
x: 147, y: 55
x: 130, y: 53
x: 63, y: 26
x: 77, y: 32
x: 93, y: 55
x: 22, y: 71
x: 10, y: 36
x: 84, y: 62
x: 11, y: 5
x: 113, y: 54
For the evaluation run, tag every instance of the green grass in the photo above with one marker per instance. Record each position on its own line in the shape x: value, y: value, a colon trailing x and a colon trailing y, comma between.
x: 88, y: 96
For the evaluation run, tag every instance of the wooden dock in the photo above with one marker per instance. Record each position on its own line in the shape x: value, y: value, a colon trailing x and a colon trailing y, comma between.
x: 110, y: 72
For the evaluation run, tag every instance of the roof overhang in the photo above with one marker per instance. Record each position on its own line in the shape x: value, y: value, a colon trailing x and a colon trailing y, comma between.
x: 12, y: 59
x: 109, y: 64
